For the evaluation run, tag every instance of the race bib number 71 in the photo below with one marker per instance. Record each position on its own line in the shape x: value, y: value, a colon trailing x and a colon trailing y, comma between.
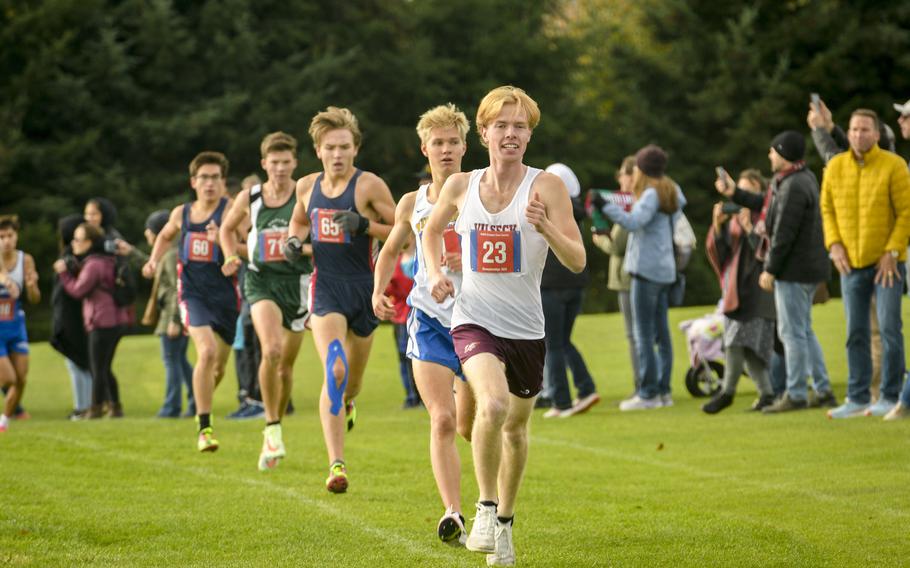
x: 270, y: 246
x: 495, y: 251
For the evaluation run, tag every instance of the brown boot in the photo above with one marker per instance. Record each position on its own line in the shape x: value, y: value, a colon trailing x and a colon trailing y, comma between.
x: 95, y: 411
x: 116, y: 410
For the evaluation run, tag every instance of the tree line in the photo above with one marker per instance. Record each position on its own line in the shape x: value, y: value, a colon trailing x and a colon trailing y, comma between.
x: 113, y: 99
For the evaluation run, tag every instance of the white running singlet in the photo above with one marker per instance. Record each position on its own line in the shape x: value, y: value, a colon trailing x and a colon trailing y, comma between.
x: 503, y: 257
x: 420, y: 296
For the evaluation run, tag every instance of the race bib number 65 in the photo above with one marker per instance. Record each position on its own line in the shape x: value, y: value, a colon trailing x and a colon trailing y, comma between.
x: 199, y: 248
x: 495, y: 251
x: 324, y: 230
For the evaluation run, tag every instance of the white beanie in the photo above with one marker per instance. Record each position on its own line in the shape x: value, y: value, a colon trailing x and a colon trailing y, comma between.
x: 567, y: 176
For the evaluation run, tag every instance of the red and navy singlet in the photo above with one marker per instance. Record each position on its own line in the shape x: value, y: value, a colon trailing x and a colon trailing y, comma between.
x: 201, y: 259
x: 337, y: 253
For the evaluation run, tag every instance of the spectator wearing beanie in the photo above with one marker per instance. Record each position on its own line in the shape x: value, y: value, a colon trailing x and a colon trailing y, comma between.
x: 161, y: 311
x: 866, y: 209
x: 794, y: 263
x: 650, y: 261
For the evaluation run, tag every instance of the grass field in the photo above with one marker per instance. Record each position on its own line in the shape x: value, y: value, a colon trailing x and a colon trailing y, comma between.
x: 670, y: 487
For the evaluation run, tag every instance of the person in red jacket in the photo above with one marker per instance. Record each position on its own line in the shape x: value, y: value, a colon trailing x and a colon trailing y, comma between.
x: 398, y: 289
x: 89, y: 277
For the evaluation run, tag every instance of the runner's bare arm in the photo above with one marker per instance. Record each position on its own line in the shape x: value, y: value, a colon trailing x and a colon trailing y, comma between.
x: 238, y: 214
x: 381, y: 201
x: 32, y: 292
x: 550, y: 211
x: 385, y: 264
x: 448, y: 203
x: 163, y: 241
x: 300, y: 222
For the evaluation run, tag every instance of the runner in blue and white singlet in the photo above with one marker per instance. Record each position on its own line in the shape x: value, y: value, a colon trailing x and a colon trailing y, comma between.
x: 18, y: 282
x: 442, y: 131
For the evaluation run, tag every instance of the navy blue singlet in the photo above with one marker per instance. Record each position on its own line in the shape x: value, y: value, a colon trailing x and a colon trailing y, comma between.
x: 335, y: 252
x: 201, y: 259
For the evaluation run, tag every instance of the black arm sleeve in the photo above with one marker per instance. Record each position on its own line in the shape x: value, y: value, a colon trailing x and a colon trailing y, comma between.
x: 748, y: 199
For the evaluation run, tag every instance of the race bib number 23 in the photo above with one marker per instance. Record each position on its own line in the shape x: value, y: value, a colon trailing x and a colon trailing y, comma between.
x: 495, y: 251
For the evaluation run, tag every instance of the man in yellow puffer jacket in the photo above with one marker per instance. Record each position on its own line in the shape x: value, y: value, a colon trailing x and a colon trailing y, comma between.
x: 866, y: 214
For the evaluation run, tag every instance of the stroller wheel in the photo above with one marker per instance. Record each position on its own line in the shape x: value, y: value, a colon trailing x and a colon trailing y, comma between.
x: 705, y: 380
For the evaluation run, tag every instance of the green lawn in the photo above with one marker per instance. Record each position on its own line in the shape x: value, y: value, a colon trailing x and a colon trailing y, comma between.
x: 668, y: 487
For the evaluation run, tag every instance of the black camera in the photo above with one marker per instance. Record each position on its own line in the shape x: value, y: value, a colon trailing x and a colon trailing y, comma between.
x: 730, y: 208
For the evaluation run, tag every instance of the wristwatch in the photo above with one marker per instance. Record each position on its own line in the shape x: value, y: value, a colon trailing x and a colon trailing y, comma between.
x: 895, y: 254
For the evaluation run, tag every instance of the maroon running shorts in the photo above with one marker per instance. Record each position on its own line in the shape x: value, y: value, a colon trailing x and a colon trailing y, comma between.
x: 523, y: 358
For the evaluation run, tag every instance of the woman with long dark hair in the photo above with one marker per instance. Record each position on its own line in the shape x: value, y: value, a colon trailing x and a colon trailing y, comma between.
x: 650, y: 260
x: 92, y: 280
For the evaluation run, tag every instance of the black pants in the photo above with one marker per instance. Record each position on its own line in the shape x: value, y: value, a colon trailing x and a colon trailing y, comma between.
x: 102, y: 343
x: 246, y: 363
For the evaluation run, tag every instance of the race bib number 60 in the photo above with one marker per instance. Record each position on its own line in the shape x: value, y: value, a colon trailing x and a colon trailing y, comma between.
x: 270, y: 246
x: 199, y: 248
x: 324, y: 230
x: 495, y: 251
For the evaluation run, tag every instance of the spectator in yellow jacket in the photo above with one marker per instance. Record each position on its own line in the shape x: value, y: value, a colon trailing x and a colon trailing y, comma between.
x: 866, y: 215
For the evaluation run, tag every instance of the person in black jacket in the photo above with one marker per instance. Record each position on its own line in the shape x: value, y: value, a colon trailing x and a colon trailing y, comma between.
x: 795, y: 261
x: 67, y: 332
x: 562, y: 292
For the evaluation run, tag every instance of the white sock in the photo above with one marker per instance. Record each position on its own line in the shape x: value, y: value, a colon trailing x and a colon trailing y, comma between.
x: 4, y: 420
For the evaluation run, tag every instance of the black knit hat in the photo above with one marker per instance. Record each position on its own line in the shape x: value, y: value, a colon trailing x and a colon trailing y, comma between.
x: 157, y: 220
x: 790, y: 144
x: 651, y: 160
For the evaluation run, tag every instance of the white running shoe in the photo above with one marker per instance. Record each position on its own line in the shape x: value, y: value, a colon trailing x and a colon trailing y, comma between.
x: 451, y: 528
x: 639, y: 403
x: 504, y: 553
x: 666, y: 400
x: 881, y: 407
x: 272, y: 448
x: 483, y: 530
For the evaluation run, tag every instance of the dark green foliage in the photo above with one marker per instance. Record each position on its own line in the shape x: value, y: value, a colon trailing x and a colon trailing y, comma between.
x: 115, y: 98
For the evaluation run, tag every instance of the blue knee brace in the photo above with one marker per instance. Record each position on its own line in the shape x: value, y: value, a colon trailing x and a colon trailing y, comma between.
x: 336, y: 393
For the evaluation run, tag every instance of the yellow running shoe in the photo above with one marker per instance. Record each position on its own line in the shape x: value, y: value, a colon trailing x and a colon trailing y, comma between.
x: 337, y: 481
x: 206, y: 442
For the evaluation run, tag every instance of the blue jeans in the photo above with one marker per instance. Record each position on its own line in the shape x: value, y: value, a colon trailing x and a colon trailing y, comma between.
x: 803, y: 353
x: 650, y: 303
x: 82, y: 385
x: 820, y: 381
x: 857, y: 289
x: 177, y: 372
x: 560, y: 308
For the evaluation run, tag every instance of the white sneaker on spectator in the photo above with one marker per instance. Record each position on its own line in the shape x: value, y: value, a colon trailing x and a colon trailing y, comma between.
x: 666, y: 400
x: 848, y: 409
x: 881, y: 407
x: 639, y: 403
x: 483, y: 530
x: 899, y: 412
x: 582, y: 405
x: 504, y: 553
x: 556, y: 413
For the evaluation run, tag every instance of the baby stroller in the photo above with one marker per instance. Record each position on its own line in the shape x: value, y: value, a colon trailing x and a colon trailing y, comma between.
x: 705, y: 340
